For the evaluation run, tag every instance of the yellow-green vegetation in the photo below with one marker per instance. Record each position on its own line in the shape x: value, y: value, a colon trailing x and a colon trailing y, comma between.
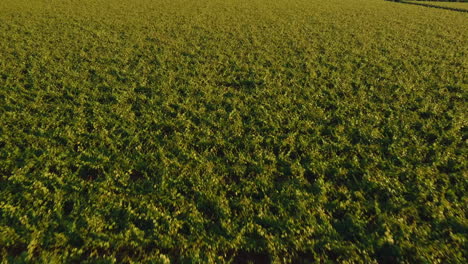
x: 211, y: 131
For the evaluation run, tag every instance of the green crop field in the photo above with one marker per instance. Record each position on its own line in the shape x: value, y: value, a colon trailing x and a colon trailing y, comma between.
x: 232, y: 131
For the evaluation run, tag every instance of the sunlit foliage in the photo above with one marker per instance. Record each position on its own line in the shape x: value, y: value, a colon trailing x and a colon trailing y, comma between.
x: 285, y: 131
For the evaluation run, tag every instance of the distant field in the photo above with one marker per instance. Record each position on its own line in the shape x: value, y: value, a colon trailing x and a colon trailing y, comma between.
x: 228, y: 131
x: 458, y: 5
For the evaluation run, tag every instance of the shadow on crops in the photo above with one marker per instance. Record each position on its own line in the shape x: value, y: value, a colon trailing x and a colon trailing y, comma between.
x: 429, y: 5
x: 16, y: 250
x: 241, y: 84
x: 89, y: 173
x: 251, y: 257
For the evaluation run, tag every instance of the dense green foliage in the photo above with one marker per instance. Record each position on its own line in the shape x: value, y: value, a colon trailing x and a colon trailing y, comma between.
x: 136, y: 131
